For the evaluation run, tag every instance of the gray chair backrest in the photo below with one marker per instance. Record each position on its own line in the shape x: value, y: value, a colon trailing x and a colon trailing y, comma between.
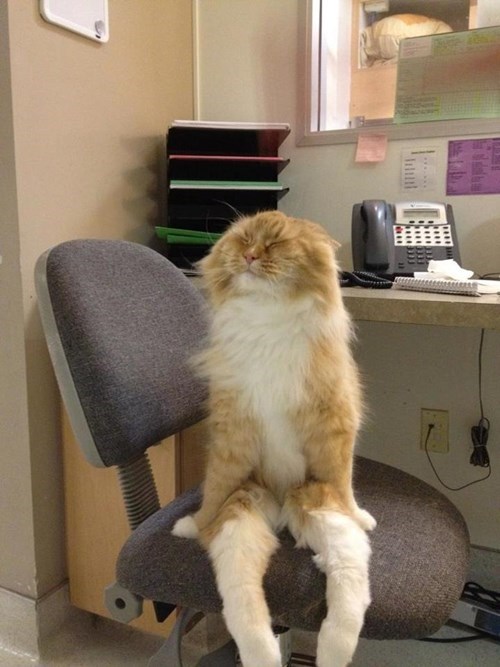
x: 121, y: 323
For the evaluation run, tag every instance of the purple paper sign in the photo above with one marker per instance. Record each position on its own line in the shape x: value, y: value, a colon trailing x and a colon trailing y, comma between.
x: 473, y: 167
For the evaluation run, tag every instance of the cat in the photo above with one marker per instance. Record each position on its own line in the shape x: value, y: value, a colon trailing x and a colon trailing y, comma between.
x: 285, y: 407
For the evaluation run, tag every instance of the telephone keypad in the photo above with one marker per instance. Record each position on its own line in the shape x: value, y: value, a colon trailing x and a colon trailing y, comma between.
x: 417, y: 255
x: 419, y: 238
x: 413, y: 235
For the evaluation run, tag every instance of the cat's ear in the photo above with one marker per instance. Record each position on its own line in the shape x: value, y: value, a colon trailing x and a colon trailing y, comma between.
x: 334, y: 244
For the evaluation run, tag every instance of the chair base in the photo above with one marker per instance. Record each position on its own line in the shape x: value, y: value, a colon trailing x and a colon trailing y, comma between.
x: 170, y: 654
x: 222, y: 657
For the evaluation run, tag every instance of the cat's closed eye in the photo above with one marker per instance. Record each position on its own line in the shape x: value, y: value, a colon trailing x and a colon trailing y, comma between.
x: 273, y: 244
x: 244, y: 240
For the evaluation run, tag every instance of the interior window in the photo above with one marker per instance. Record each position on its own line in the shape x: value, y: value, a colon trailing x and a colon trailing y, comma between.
x: 353, y: 50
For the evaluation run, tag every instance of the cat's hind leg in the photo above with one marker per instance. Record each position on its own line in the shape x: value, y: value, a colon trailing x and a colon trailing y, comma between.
x: 240, y: 543
x: 342, y: 552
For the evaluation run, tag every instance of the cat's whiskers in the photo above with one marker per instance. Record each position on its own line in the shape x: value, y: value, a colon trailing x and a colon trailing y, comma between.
x: 219, y: 280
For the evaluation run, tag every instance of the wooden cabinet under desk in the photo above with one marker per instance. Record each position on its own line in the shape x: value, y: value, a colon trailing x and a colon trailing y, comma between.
x: 97, y: 526
x: 96, y: 523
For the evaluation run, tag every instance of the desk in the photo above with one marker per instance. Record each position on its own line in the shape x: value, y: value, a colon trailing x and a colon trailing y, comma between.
x: 405, y: 307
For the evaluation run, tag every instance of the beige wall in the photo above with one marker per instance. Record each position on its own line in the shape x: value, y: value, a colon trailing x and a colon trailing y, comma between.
x: 88, y: 130
x: 247, y: 61
x: 17, y: 562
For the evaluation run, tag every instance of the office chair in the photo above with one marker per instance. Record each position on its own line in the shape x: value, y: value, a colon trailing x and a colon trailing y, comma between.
x: 121, y: 322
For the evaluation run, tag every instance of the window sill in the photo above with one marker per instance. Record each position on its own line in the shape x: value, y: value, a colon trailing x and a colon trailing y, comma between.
x: 442, y: 128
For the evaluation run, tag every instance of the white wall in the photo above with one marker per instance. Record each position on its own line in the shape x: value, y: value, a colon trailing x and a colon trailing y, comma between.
x: 247, y: 60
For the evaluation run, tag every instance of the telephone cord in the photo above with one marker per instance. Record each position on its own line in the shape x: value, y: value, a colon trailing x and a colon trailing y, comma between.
x: 364, y: 279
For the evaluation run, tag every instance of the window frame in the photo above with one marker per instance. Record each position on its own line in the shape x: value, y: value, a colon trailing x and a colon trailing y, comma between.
x: 309, y: 104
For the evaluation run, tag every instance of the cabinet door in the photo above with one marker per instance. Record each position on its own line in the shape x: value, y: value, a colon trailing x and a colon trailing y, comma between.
x: 97, y: 526
x: 191, y: 456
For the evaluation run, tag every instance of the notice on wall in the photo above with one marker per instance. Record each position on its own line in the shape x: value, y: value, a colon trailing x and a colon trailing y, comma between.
x: 449, y: 76
x: 371, y: 148
x: 473, y: 167
x: 418, y: 169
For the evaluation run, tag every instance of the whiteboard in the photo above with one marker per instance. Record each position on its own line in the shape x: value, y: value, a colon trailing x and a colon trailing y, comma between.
x: 86, y: 17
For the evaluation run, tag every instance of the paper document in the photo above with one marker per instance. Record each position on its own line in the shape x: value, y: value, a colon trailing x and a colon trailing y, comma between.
x: 230, y: 125
x: 449, y: 76
x: 473, y: 167
x: 225, y: 185
x: 418, y: 169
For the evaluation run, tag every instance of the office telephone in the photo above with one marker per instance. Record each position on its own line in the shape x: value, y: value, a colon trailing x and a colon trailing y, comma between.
x: 399, y: 239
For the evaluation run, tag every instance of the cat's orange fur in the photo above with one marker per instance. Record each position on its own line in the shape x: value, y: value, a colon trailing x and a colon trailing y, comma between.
x: 285, y: 407
x: 300, y: 254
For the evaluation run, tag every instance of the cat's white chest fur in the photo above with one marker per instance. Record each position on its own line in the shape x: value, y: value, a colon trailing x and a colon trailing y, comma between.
x: 266, y: 346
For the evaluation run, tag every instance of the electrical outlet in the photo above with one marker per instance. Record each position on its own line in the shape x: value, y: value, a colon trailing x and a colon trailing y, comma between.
x: 438, y: 437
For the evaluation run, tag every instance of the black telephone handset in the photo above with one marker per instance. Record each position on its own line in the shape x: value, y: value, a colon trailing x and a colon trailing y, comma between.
x: 370, y: 235
x: 399, y: 239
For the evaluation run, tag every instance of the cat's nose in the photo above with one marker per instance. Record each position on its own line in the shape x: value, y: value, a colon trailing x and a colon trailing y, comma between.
x: 250, y: 257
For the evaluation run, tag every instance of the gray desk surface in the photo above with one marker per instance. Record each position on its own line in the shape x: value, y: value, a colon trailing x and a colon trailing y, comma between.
x: 405, y: 307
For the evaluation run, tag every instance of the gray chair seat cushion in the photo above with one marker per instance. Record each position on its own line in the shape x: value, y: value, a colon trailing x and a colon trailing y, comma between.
x: 419, y: 562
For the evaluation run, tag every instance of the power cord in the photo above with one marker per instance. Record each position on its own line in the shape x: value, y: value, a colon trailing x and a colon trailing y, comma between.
x: 472, y: 591
x: 479, y: 434
x: 452, y: 488
x: 490, y: 276
x: 454, y: 640
x: 477, y: 594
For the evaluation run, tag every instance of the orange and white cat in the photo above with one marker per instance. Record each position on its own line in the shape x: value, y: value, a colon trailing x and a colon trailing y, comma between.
x: 284, y: 410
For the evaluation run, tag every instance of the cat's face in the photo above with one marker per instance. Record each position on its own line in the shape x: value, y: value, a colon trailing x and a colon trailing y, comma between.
x: 270, y: 253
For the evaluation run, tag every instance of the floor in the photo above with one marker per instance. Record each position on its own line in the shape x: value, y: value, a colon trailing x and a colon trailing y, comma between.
x: 102, y: 643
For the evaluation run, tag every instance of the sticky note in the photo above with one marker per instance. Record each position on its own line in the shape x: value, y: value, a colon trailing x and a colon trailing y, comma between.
x: 371, y: 148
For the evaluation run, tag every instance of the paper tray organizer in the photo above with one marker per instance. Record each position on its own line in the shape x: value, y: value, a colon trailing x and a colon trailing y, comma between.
x: 215, y: 174
x: 186, y: 236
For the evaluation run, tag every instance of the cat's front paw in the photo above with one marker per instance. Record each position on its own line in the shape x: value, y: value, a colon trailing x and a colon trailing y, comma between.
x: 186, y: 527
x: 364, y: 519
x: 333, y: 649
